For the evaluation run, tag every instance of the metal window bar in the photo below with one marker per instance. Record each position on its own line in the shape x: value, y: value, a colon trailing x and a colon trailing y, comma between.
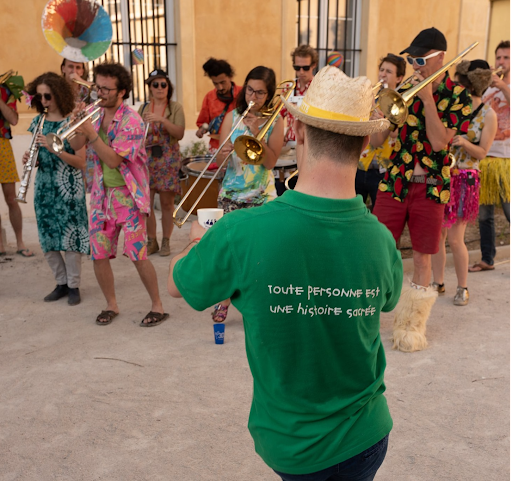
x: 140, y: 24
x: 337, y: 29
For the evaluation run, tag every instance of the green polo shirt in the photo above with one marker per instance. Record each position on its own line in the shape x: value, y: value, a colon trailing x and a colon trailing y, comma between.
x: 310, y: 276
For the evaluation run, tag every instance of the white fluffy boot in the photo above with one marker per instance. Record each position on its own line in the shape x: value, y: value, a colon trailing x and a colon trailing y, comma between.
x: 412, y: 312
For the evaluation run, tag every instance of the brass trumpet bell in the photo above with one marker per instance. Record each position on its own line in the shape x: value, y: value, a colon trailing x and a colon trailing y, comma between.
x: 249, y: 148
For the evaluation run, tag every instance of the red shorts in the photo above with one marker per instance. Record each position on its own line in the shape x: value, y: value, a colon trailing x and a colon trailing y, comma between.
x: 424, y: 217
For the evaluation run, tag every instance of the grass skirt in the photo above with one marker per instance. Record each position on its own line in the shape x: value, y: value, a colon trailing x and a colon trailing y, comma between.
x: 463, y: 203
x: 494, y: 181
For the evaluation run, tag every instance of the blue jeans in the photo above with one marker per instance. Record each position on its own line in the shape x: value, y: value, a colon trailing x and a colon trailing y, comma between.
x: 488, y: 232
x: 361, y: 467
x: 367, y: 184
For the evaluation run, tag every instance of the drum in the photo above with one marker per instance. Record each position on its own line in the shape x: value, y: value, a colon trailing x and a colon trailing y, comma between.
x: 191, y: 168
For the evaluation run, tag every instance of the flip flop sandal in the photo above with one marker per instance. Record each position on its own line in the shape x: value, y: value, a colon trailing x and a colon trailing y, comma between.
x: 154, y: 319
x: 25, y: 253
x: 219, y: 313
x: 105, y: 318
x: 480, y: 266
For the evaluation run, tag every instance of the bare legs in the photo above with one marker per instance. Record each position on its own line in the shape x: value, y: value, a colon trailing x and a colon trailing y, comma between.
x: 421, y: 263
x: 14, y: 215
x: 167, y: 206
x: 147, y: 273
x: 460, y: 254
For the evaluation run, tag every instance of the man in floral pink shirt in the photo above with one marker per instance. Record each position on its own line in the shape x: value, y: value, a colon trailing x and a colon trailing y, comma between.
x: 120, y: 190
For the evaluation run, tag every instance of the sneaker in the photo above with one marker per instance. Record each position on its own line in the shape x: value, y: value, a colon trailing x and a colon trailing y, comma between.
x: 152, y: 246
x: 57, y: 293
x: 165, y: 250
x: 438, y: 287
x: 74, y: 296
x: 461, y: 297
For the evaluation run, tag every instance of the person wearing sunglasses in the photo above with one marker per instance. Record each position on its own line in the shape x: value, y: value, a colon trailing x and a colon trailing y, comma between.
x: 165, y: 126
x: 120, y: 197
x: 304, y: 62
x: 217, y: 102
x: 246, y: 185
x: 374, y: 160
x: 59, y: 193
x: 416, y: 185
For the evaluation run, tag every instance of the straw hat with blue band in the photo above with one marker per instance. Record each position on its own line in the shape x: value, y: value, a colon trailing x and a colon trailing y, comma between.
x: 339, y: 104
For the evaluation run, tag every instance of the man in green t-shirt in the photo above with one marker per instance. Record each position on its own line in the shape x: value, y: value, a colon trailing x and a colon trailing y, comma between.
x: 311, y: 325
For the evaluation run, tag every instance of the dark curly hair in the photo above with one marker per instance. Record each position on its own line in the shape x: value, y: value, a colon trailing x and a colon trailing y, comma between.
x: 61, y: 92
x: 257, y: 73
x: 117, y: 71
x: 213, y: 68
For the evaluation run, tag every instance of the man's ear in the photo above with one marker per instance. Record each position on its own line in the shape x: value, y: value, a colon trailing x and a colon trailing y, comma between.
x: 366, y: 141
x: 300, y: 131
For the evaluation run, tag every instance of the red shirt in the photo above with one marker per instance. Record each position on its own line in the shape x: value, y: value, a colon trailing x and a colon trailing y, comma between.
x: 212, y: 107
x: 8, y: 98
x: 290, y: 133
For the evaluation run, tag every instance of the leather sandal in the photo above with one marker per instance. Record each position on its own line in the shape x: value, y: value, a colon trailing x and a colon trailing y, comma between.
x: 219, y: 313
x: 481, y: 266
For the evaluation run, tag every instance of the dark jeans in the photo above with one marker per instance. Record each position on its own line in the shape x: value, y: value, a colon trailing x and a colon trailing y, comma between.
x: 367, y: 184
x: 361, y: 467
x: 488, y: 232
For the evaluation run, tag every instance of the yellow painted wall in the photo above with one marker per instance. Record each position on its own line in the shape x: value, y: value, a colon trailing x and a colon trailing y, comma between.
x: 499, y: 26
x: 24, y: 48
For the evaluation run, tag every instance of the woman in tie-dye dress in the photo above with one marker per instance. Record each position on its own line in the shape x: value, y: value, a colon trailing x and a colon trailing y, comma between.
x: 246, y: 185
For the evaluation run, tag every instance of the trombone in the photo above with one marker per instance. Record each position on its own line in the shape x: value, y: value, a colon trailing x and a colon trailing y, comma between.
x: 249, y: 148
x: 67, y: 131
x: 180, y: 222
x: 394, y: 106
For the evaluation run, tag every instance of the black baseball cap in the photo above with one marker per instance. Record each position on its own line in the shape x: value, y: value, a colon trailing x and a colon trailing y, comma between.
x: 428, y: 39
x: 157, y: 73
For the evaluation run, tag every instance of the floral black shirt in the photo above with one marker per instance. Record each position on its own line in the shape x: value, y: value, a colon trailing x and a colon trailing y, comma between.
x: 412, y: 145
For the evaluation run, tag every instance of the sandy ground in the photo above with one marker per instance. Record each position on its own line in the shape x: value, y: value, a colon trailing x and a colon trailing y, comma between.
x: 85, y: 402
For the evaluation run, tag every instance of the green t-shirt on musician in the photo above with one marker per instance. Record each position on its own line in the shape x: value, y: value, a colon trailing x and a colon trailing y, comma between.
x: 310, y: 276
x: 111, y: 177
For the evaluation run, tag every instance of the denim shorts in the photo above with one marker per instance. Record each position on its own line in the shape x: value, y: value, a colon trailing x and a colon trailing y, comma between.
x: 361, y: 467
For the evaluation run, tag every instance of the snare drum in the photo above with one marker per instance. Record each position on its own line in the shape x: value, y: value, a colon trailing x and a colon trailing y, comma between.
x: 192, y: 167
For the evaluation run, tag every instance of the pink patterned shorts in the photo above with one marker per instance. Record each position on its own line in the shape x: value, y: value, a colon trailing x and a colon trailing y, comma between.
x: 121, y: 213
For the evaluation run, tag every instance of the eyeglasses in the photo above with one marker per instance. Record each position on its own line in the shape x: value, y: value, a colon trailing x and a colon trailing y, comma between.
x: 422, y: 61
x: 156, y: 84
x: 104, y: 90
x: 303, y: 67
x: 39, y: 97
x: 259, y: 94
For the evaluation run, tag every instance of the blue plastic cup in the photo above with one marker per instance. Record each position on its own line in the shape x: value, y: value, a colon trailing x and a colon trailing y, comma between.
x: 218, y: 331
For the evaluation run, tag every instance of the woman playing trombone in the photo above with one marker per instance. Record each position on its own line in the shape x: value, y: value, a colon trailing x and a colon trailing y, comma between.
x: 59, y: 196
x: 246, y: 185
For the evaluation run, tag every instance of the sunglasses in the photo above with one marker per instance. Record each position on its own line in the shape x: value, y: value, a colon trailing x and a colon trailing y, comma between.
x: 39, y: 97
x: 156, y: 84
x: 303, y: 67
x: 422, y: 61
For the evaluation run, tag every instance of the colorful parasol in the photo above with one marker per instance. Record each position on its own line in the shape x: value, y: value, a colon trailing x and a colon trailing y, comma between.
x: 79, y: 30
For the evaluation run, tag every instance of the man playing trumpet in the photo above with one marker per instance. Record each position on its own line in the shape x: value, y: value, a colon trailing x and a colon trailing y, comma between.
x: 120, y: 190
x: 416, y: 186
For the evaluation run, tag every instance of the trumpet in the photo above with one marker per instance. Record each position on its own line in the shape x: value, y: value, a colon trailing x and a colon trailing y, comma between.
x: 29, y: 166
x: 68, y: 131
x: 394, y: 106
x: 180, y: 222
x: 249, y: 148
x: 6, y: 76
x: 500, y: 72
x: 380, y: 85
